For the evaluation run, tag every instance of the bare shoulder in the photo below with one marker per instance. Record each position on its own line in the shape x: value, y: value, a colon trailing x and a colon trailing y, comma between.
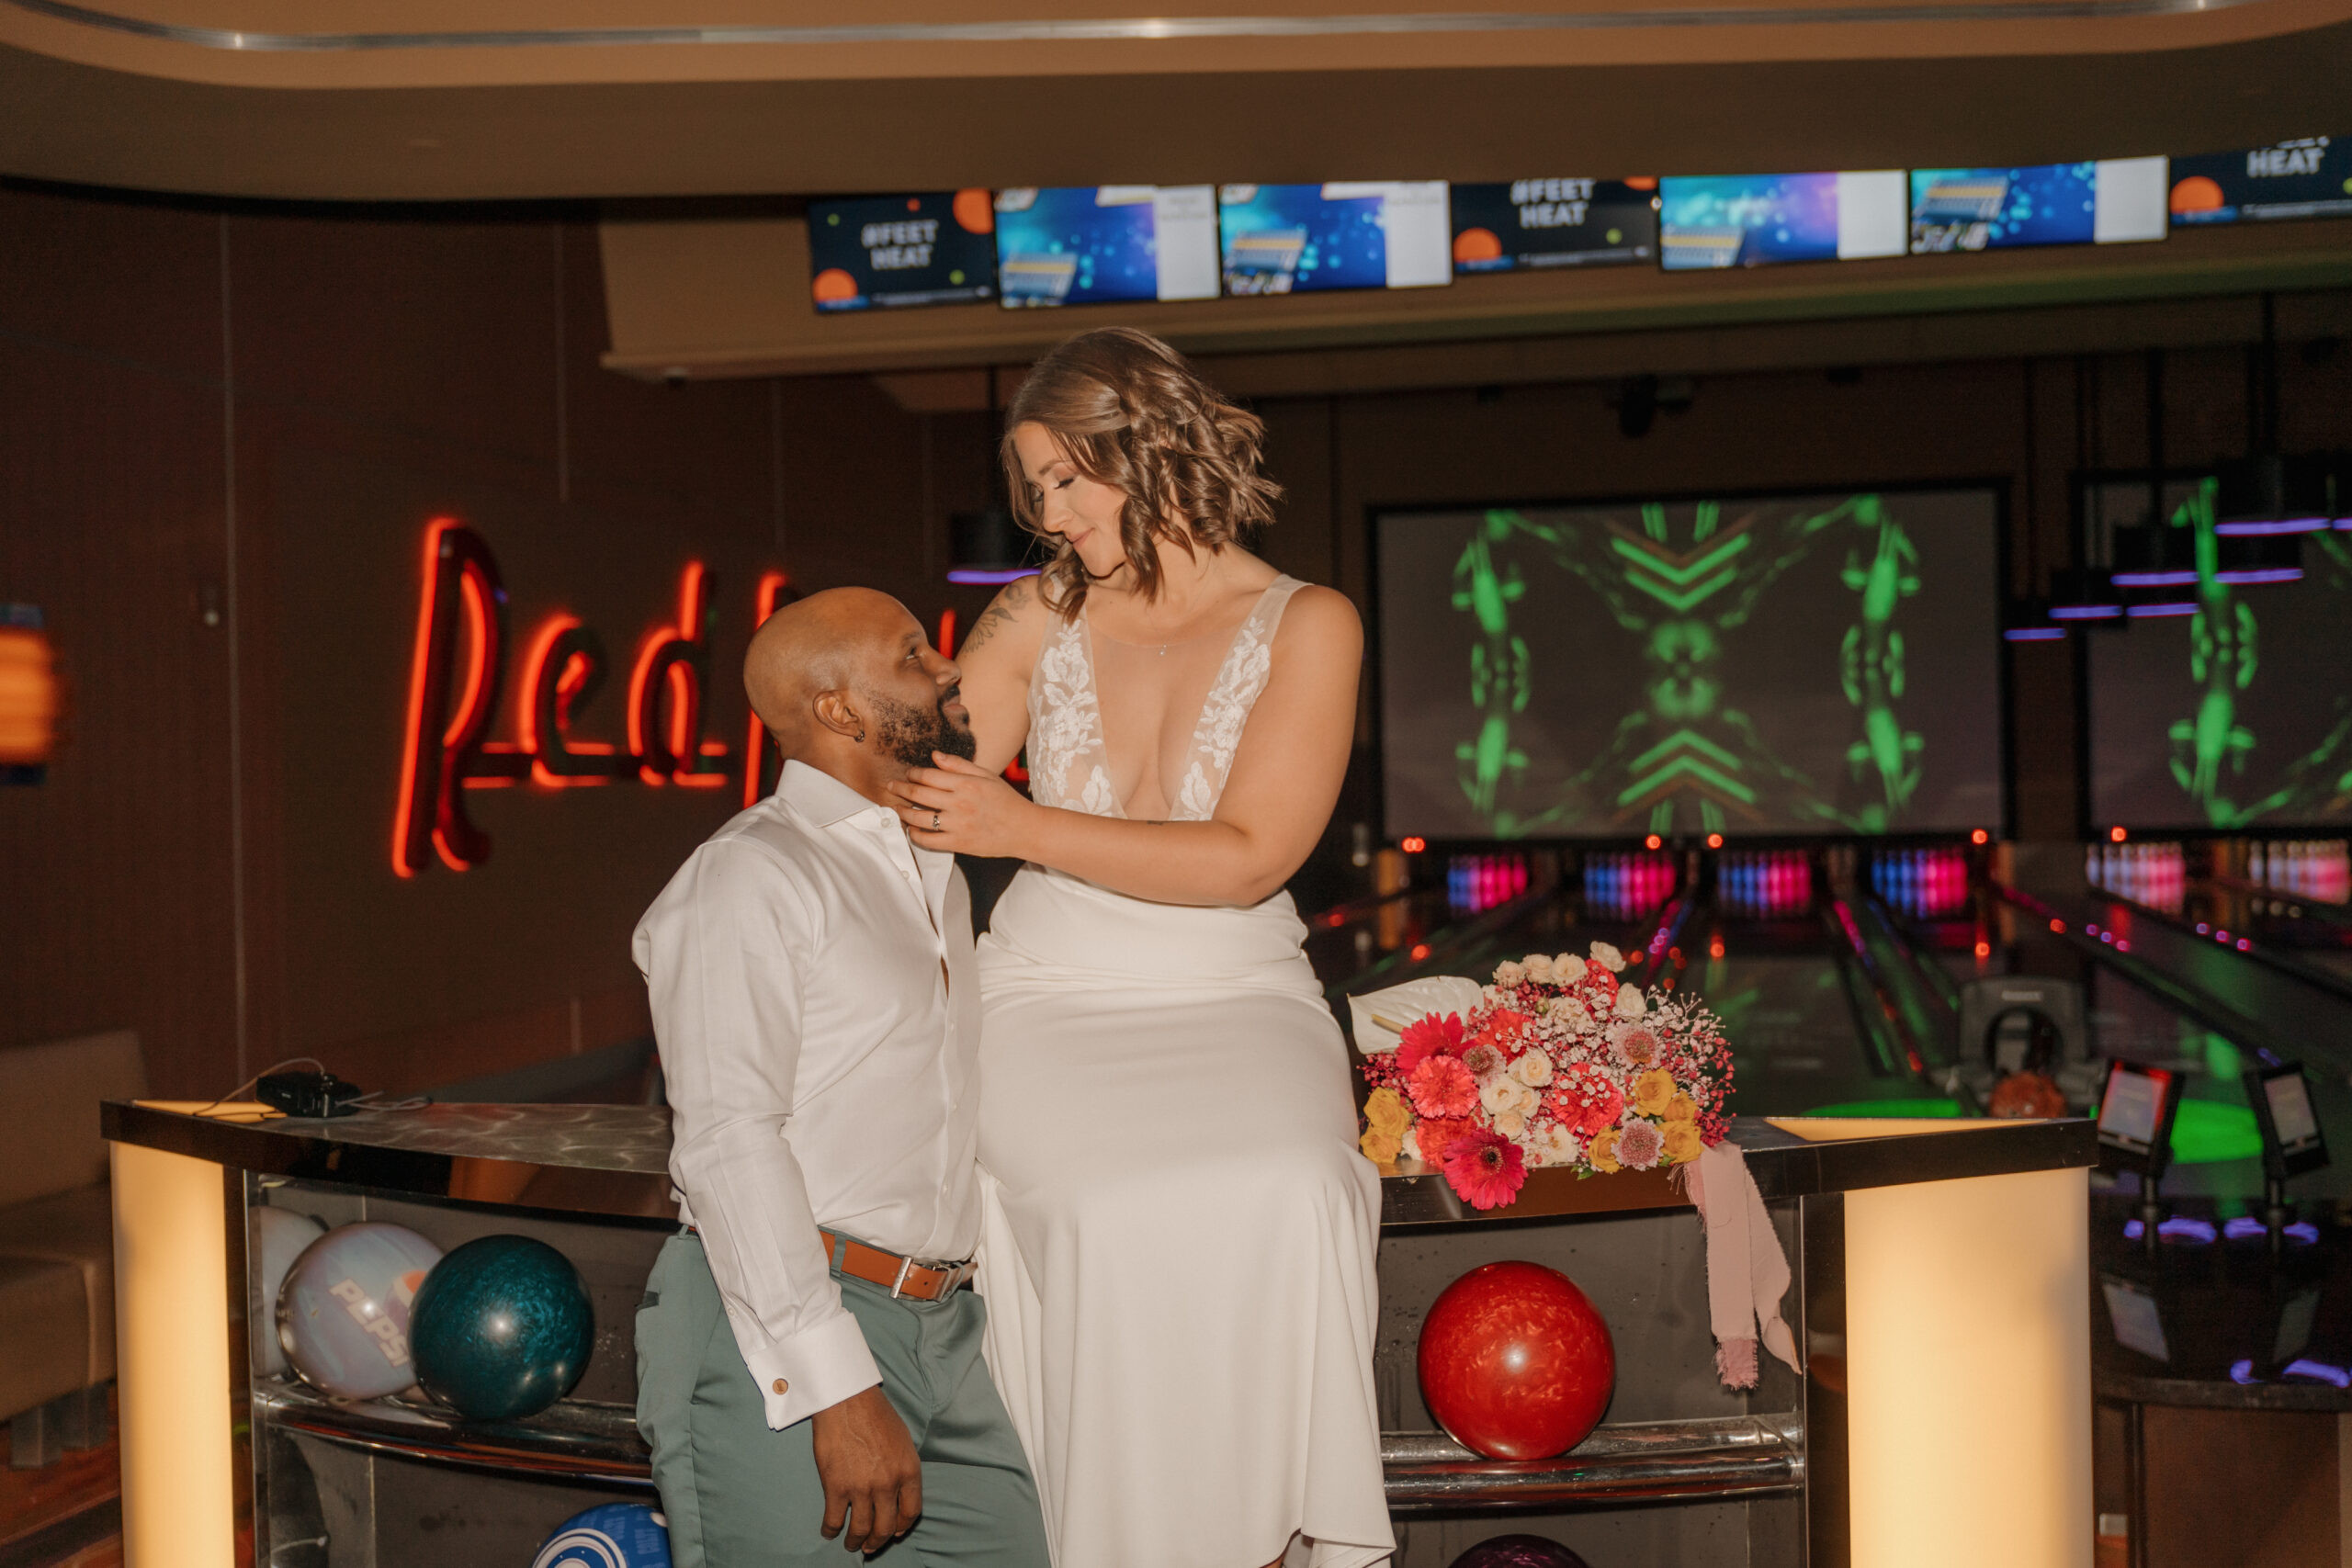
x: 1321, y: 622
x: 1016, y: 616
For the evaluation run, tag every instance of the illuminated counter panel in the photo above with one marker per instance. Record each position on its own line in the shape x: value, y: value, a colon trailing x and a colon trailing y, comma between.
x: 1940, y: 1284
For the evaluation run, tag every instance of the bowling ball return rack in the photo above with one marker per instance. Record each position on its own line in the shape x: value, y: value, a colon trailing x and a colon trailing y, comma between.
x: 1680, y: 1467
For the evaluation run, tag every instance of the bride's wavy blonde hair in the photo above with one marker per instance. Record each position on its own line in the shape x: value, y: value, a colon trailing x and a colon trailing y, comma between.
x: 1128, y: 412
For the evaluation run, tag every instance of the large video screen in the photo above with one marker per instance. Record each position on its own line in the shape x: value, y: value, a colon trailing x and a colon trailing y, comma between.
x: 1815, y: 664
x: 1554, y: 222
x: 2235, y: 711
x: 1100, y: 244
x: 1349, y: 234
x: 937, y: 248
x: 2310, y: 178
x: 2121, y: 201
x: 1720, y: 220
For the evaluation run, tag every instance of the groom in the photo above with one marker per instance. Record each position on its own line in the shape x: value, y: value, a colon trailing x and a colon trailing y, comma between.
x: 817, y: 1006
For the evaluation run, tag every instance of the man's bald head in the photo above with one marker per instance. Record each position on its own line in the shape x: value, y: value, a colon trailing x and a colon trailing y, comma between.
x: 812, y: 646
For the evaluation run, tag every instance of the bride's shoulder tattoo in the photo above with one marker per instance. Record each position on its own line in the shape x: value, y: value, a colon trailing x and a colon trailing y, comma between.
x: 1001, y: 612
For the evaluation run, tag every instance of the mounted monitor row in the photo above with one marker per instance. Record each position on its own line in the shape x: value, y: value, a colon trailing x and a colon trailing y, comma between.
x: 1105, y: 245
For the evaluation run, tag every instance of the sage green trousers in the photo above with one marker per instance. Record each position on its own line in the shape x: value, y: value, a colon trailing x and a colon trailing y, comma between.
x: 738, y: 1494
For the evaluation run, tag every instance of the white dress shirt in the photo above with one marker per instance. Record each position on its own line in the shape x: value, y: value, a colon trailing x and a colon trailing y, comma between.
x: 817, y: 1006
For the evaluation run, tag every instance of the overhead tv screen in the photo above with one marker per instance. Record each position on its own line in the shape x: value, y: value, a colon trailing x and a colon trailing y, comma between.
x: 2235, y: 711
x: 2120, y: 200
x: 937, y: 248
x: 2310, y: 178
x: 1819, y: 664
x: 1100, y: 244
x: 1720, y: 220
x: 1554, y: 222
x: 1349, y: 235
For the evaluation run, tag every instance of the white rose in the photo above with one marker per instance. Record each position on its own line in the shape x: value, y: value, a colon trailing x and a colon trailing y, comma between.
x: 1524, y: 1099
x: 1412, y: 1145
x: 1630, y: 1003
x: 1510, y: 1124
x: 1608, y: 957
x: 1557, y: 1145
x: 1508, y: 975
x: 1534, y: 1068
x: 1567, y: 969
x: 1499, y: 1093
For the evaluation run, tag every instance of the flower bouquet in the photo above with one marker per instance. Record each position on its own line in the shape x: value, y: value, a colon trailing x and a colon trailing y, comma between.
x: 1557, y: 1063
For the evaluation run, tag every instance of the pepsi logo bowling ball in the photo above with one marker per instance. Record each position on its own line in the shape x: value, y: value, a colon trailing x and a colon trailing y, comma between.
x: 346, y: 1313
x: 275, y: 1238
x: 504, y: 1329
x: 618, y: 1535
x: 1516, y: 1362
x: 1519, y: 1552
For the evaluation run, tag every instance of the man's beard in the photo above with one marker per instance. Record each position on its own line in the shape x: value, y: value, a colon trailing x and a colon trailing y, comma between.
x: 909, y: 735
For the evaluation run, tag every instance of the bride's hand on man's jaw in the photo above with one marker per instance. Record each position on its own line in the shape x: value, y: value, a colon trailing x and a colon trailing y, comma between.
x: 978, y: 812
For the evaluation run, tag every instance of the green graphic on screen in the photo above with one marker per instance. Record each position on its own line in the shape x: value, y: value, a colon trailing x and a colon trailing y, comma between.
x: 2237, y: 713
x: 1810, y: 664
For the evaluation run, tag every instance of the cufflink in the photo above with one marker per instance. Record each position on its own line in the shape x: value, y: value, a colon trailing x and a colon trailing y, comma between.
x: 781, y: 1385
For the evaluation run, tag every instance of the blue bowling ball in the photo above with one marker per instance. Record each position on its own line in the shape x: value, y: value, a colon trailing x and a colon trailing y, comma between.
x: 618, y: 1535
x: 502, y: 1328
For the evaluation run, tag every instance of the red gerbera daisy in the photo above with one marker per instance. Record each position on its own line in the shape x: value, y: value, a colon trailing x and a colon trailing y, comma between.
x: 1427, y: 1037
x: 1442, y: 1087
x: 1486, y: 1168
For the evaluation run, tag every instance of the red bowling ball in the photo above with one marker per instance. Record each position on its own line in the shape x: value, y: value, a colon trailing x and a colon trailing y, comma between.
x: 1516, y: 1362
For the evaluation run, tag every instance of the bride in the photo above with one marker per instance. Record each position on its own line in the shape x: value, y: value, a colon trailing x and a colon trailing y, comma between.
x: 1177, y: 1254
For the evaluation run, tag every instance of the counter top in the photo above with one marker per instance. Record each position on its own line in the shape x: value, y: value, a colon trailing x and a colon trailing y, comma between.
x: 613, y: 1159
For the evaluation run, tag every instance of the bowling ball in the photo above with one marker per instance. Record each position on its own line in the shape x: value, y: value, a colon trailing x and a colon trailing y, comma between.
x: 504, y: 1329
x: 618, y: 1535
x: 1519, y: 1552
x: 1515, y: 1361
x: 345, y: 1312
x: 276, y: 1238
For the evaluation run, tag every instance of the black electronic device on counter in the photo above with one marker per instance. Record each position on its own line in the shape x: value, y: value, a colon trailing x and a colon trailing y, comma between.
x: 2135, y: 1115
x: 313, y: 1095
x: 2293, y: 1142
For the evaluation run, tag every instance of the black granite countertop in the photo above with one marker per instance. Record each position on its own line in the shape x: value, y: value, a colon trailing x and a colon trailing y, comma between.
x: 612, y: 1159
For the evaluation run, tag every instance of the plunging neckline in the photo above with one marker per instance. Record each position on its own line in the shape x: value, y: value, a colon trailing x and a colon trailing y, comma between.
x: 1070, y: 759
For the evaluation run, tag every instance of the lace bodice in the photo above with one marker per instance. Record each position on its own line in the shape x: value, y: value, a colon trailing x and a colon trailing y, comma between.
x: 1070, y: 764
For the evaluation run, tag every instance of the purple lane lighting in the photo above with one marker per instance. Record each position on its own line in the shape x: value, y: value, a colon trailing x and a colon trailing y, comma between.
x: 2180, y: 578
x: 2242, y: 1373
x: 2187, y: 1227
x: 2034, y: 634
x: 2254, y: 528
x: 990, y: 576
x: 2304, y: 1231
x: 2171, y: 607
x: 2090, y: 612
x: 2320, y: 1371
x: 2245, y: 1225
x: 2247, y: 576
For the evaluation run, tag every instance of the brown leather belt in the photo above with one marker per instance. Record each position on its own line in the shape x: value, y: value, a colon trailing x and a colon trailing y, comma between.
x: 925, y: 1281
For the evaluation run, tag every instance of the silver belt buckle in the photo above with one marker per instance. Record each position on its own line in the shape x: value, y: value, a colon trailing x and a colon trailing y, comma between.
x: 906, y: 1267
x: 953, y: 1274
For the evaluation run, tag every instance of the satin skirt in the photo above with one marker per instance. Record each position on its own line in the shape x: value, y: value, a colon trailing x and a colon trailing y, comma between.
x: 1178, y: 1234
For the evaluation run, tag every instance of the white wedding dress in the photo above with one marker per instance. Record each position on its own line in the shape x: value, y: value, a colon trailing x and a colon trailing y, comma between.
x: 1179, y: 1233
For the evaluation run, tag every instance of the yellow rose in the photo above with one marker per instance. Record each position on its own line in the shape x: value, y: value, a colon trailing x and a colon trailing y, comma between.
x: 1381, y: 1148
x: 1602, y: 1152
x: 1385, y: 1109
x: 1682, y: 1109
x: 1682, y: 1143
x: 1653, y: 1091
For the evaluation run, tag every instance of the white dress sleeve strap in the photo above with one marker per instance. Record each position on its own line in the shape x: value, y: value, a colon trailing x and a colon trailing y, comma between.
x: 1218, y: 735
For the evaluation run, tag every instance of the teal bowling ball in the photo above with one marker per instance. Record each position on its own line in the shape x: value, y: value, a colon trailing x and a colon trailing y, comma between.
x: 502, y: 1328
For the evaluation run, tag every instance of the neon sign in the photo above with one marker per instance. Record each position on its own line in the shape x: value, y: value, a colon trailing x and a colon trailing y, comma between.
x: 457, y: 679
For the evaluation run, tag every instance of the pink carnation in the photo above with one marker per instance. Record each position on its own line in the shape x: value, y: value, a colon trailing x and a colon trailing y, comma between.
x: 1633, y: 1045
x: 1482, y: 1059
x: 1639, y: 1142
x: 1486, y: 1168
x: 1427, y: 1037
x: 1441, y: 1088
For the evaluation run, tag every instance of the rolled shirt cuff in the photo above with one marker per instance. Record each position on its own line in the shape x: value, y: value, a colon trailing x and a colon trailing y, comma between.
x: 815, y: 1370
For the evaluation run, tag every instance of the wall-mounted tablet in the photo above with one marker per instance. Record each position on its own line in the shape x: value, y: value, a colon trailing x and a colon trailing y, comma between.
x: 1720, y: 220
x: 2310, y: 178
x: 1520, y: 224
x: 2117, y: 200
x: 1346, y: 235
x: 869, y: 253
x: 1102, y: 245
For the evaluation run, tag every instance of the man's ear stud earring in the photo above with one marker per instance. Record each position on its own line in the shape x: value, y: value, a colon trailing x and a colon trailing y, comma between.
x: 861, y: 737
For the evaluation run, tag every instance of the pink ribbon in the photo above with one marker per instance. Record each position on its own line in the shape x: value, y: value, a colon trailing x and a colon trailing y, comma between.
x: 1746, y: 1272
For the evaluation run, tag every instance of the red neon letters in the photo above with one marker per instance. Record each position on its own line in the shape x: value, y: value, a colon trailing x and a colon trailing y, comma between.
x: 460, y: 643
